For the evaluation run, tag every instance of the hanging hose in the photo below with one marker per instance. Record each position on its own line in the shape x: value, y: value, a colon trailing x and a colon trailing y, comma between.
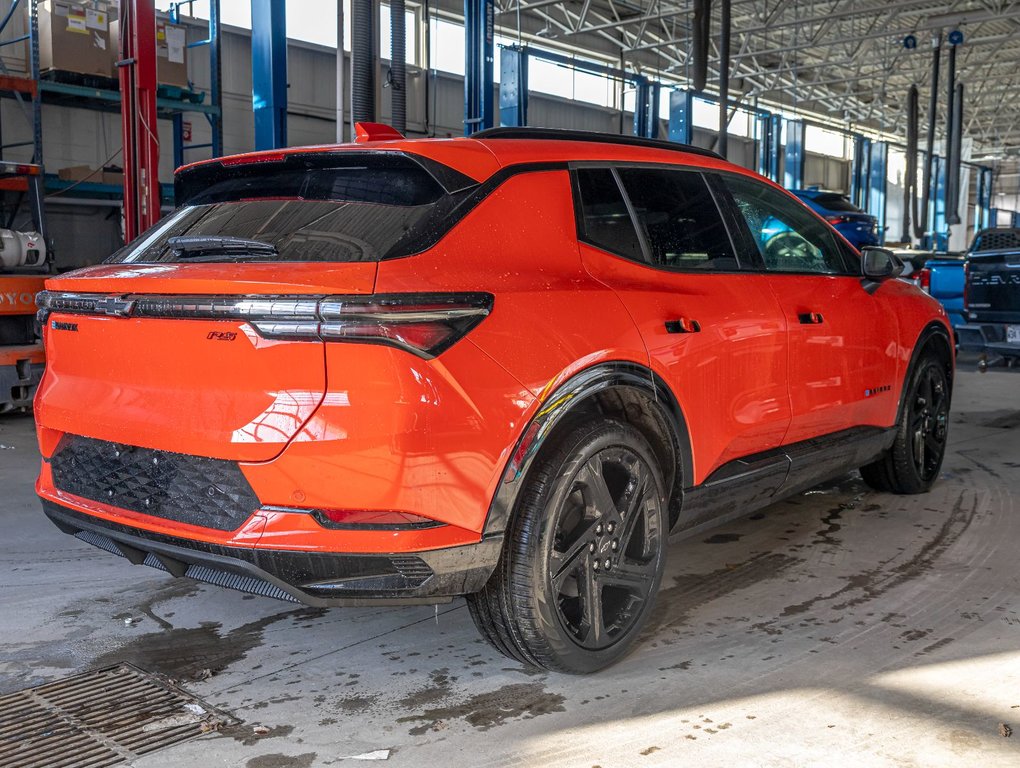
x: 953, y: 168
x: 699, y: 46
x: 398, y: 65
x: 910, y: 185
x: 949, y: 143
x: 362, y: 62
x: 922, y: 225
x: 724, y: 75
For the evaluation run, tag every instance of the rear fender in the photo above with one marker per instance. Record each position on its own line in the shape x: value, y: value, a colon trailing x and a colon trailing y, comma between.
x: 583, y: 391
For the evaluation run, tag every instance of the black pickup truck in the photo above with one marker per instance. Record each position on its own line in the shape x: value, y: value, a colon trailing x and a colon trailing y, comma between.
x: 992, y: 295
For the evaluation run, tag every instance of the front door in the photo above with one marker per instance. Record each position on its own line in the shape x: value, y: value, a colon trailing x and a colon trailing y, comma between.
x: 843, y: 339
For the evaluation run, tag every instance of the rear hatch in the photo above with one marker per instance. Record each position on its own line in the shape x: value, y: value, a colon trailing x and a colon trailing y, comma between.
x: 993, y: 277
x: 839, y: 211
x: 204, y: 336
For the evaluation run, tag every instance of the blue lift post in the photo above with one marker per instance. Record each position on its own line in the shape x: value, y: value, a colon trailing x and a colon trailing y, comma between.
x: 938, y: 238
x: 793, y: 164
x: 983, y: 205
x: 479, y: 24
x: 770, y: 148
x: 860, y: 171
x: 214, y: 41
x: 269, y: 72
x: 878, y: 163
x: 513, y: 87
x: 681, y: 115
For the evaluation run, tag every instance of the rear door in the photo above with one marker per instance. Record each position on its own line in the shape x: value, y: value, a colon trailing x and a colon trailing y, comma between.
x: 713, y: 329
x: 843, y: 340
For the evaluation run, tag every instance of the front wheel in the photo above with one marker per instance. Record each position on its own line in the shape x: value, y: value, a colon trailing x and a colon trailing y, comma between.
x: 584, y: 555
x: 913, y: 462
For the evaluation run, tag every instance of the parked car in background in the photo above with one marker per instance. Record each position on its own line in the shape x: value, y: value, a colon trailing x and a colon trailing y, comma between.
x: 858, y: 227
x: 992, y: 294
x: 505, y: 367
x: 942, y: 277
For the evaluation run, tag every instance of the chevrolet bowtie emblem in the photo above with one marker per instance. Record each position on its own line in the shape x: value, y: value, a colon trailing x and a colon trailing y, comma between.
x: 114, y: 306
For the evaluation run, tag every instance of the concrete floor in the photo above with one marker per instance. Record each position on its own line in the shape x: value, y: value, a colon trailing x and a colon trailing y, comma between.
x: 843, y: 627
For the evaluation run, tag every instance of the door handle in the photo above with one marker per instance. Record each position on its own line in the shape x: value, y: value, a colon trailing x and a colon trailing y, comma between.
x: 683, y: 325
x: 811, y: 318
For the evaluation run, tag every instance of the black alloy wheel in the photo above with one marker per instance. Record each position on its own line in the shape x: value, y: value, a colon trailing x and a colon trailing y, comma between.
x: 584, y: 554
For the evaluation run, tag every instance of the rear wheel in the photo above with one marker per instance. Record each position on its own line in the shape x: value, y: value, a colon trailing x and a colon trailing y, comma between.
x: 584, y: 555
x: 913, y: 462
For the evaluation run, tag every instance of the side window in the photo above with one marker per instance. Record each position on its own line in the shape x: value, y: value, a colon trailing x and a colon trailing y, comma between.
x: 606, y: 222
x: 679, y: 219
x: 789, y: 237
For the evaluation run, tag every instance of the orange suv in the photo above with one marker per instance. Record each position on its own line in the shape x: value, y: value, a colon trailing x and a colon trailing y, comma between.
x: 507, y: 367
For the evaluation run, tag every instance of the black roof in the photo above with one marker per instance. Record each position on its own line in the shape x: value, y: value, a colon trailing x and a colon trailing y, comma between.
x: 563, y: 134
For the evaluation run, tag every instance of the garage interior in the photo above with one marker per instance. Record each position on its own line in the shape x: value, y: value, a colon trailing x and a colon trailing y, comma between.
x: 842, y: 626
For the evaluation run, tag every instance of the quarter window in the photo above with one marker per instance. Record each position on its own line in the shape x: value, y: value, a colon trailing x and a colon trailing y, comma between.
x: 678, y: 217
x: 606, y: 221
x: 789, y: 237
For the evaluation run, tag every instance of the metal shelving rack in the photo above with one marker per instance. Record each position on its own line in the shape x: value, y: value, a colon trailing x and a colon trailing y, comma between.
x: 34, y: 90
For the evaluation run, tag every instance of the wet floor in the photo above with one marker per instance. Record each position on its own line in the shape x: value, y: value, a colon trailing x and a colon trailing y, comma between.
x: 840, y: 627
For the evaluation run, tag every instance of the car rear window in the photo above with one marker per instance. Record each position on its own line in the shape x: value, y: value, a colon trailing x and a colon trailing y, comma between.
x: 366, y: 207
x: 834, y: 202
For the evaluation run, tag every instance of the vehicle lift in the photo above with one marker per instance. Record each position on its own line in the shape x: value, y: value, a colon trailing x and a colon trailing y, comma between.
x: 25, y: 263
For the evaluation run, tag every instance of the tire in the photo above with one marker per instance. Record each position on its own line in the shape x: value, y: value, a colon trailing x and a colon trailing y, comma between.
x: 583, y: 555
x: 913, y: 462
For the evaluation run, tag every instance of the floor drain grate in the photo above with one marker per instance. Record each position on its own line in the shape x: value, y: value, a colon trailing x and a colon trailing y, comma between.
x: 97, y: 719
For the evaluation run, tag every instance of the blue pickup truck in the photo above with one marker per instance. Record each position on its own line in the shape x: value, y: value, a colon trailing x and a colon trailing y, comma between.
x: 992, y: 295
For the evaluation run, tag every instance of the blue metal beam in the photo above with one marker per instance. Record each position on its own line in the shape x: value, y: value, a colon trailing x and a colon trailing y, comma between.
x: 878, y: 161
x: 681, y: 115
x: 940, y: 226
x: 983, y: 204
x: 793, y: 166
x: 269, y: 72
x: 513, y: 87
x: 479, y: 21
x: 860, y: 170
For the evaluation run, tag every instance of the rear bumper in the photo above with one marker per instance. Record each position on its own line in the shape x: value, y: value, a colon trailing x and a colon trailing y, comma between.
x: 987, y: 337
x: 318, y: 579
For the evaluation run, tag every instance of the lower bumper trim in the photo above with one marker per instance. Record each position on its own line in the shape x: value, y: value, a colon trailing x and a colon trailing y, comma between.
x: 312, y: 578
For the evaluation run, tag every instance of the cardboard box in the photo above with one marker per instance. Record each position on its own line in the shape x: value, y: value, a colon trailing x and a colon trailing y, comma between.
x: 75, y: 36
x: 79, y: 173
x: 113, y: 177
x: 171, y: 51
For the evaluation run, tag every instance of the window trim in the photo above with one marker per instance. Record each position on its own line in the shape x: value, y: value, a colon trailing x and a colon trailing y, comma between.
x: 743, y: 267
x: 741, y: 223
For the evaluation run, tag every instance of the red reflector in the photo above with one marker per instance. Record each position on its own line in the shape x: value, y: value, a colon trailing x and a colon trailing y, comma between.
x: 375, y: 517
x: 259, y: 157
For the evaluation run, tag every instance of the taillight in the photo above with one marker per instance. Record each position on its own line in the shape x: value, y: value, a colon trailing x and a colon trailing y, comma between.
x: 425, y: 324
x: 924, y: 280
x: 834, y: 220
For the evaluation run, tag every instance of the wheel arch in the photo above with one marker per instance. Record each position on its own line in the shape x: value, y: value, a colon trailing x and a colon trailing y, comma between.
x: 936, y: 338
x: 627, y: 391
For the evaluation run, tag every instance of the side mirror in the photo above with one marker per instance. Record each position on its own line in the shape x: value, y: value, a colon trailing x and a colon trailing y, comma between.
x: 878, y: 264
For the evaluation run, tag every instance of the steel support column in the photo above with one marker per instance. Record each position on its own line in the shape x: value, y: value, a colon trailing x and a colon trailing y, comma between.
x: 479, y: 22
x: 939, y: 240
x: 513, y: 87
x: 137, y: 67
x: 983, y: 205
x: 681, y: 115
x: 878, y: 174
x: 269, y: 72
x: 793, y: 165
x: 769, y: 128
x: 860, y: 171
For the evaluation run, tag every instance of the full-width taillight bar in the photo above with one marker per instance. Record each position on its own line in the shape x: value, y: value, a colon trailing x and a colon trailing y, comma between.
x: 425, y: 324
